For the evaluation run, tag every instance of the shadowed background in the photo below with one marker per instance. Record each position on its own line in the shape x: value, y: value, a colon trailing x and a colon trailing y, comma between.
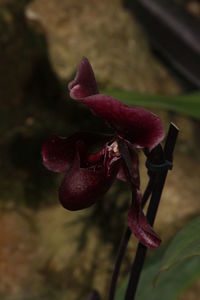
x: 47, y: 252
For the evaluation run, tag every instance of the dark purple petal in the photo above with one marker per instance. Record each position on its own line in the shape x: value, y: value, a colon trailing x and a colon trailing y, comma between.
x: 138, y: 125
x: 84, y: 83
x: 140, y: 226
x: 58, y: 153
x: 82, y: 187
x: 123, y: 174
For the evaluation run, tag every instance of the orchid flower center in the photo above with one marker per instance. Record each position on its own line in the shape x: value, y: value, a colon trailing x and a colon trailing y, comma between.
x: 114, y: 148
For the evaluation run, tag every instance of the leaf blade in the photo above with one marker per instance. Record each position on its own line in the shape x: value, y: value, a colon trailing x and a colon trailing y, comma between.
x: 172, y: 284
x: 185, y: 245
x: 188, y: 105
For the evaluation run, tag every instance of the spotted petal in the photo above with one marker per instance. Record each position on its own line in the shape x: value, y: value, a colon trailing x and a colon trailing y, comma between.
x: 58, y: 152
x: 82, y: 187
x: 123, y: 174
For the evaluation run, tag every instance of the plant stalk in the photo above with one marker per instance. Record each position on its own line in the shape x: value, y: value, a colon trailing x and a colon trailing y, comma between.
x: 126, y: 238
x: 151, y: 212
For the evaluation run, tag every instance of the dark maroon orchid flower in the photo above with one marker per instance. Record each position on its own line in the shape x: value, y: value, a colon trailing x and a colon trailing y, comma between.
x: 88, y: 176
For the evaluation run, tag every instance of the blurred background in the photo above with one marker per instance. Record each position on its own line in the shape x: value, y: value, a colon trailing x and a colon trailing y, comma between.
x: 151, y: 51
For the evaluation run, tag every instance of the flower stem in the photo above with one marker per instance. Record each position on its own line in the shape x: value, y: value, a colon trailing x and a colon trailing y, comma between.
x: 148, y: 190
x: 120, y: 256
x: 151, y: 212
x: 124, y: 243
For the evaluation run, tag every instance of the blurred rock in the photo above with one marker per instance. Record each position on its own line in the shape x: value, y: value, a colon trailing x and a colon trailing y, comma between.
x: 18, y: 49
x: 40, y: 251
x: 25, y: 70
x: 104, y: 32
x: 17, y: 258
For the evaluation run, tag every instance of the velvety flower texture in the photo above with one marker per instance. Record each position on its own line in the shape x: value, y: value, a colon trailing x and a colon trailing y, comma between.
x: 88, y: 176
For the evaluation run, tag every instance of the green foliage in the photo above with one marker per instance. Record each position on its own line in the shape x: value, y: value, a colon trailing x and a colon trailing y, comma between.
x: 188, y: 105
x: 185, y: 245
x: 180, y: 262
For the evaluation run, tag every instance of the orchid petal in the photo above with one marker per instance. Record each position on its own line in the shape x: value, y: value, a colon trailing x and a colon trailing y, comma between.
x: 84, y: 83
x: 140, y: 126
x: 123, y: 174
x: 140, y: 226
x: 82, y: 187
x: 57, y: 153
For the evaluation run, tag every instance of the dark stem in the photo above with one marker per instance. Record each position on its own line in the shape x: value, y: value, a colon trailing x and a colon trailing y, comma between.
x: 151, y: 212
x: 120, y: 256
x: 126, y: 237
x: 148, y: 190
x: 124, y: 244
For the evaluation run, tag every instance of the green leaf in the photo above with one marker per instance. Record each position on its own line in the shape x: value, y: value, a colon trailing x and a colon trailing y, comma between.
x: 188, y: 105
x: 171, y: 284
x: 186, y: 244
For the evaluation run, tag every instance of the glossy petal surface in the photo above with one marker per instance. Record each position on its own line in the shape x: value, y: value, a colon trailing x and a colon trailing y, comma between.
x: 58, y: 153
x: 82, y: 187
x: 123, y: 175
x: 84, y: 83
x: 138, y: 125
x: 140, y: 227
